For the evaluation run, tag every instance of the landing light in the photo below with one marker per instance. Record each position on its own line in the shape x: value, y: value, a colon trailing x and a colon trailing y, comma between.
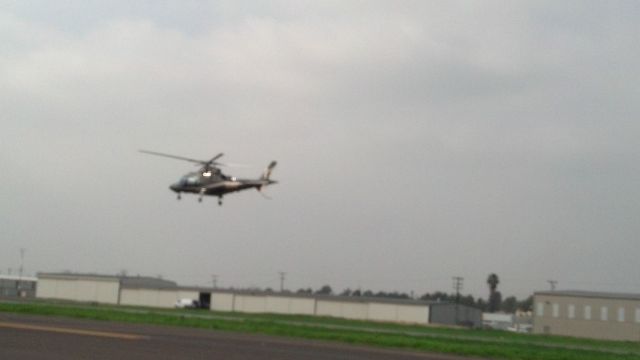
x: 206, y: 174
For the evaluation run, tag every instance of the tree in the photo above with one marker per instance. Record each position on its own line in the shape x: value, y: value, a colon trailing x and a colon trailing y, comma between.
x: 346, y: 292
x: 526, y: 304
x: 495, y: 298
x: 509, y: 305
x: 493, y: 282
x: 468, y: 300
x: 481, y: 304
x: 325, y: 290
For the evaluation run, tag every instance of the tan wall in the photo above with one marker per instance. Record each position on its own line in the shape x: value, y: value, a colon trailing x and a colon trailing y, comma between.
x: 329, y: 308
x: 277, y: 305
x: 262, y: 304
x: 106, y: 291
x: 383, y: 312
x: 596, y: 327
x: 95, y: 290
x: 166, y: 298
x: 46, y: 289
x: 342, y: 309
x: 222, y: 302
x: 413, y: 314
x: 302, y: 306
x: 250, y: 303
x: 355, y: 311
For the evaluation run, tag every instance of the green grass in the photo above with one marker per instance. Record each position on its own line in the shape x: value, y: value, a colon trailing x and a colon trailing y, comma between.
x: 480, y: 343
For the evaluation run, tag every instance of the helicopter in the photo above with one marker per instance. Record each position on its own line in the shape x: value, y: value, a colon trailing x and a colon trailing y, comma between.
x: 209, y: 179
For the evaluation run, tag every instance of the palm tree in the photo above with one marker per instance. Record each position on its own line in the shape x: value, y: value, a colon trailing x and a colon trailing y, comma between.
x: 493, y: 282
x: 494, y: 296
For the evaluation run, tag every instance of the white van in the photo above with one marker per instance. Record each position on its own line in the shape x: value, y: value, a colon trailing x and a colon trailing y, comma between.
x: 186, y: 304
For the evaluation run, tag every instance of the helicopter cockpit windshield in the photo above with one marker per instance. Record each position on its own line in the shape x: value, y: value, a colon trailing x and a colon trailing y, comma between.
x: 189, y: 180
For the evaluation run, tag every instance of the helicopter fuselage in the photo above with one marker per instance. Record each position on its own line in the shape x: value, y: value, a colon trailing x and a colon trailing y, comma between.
x: 215, y: 184
x: 210, y: 180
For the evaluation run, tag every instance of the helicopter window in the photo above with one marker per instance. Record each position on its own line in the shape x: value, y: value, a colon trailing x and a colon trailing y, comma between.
x: 189, y: 180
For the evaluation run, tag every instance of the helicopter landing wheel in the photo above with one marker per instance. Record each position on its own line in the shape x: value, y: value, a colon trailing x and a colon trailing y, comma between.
x: 199, y: 199
x: 179, y: 197
x: 220, y: 201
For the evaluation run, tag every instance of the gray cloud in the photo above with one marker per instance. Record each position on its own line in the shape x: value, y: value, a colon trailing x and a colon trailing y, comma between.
x: 416, y: 141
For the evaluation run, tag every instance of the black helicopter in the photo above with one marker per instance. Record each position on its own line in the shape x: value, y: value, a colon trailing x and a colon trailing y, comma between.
x: 210, y: 180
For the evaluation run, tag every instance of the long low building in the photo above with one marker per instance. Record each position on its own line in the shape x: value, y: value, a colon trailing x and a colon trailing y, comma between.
x: 145, y: 291
x: 590, y: 314
x: 17, y: 286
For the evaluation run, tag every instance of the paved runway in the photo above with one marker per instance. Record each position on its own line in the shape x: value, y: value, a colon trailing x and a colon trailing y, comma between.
x: 25, y: 337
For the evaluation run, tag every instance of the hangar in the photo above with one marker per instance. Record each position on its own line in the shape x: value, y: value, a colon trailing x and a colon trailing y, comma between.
x: 116, y: 289
x: 153, y: 292
x: 590, y: 314
x: 17, y: 286
x: 347, y: 307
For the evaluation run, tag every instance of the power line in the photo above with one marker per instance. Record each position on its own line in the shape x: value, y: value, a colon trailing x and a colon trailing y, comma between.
x: 282, y: 276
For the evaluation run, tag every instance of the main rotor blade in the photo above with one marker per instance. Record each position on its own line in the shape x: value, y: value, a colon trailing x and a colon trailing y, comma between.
x: 213, y: 160
x: 175, y: 157
x: 233, y: 165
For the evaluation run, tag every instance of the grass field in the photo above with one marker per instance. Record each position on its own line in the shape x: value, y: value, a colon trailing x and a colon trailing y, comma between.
x: 479, y: 343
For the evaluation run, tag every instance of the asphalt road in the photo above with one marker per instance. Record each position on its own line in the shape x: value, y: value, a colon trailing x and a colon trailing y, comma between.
x: 29, y: 337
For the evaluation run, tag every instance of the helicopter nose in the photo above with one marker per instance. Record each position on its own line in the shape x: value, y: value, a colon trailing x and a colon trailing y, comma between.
x: 174, y: 187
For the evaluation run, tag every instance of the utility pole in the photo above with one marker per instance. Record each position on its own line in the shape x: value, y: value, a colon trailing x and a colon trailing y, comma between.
x: 282, y: 275
x: 214, y: 279
x: 552, y: 284
x: 22, y: 250
x: 457, y: 286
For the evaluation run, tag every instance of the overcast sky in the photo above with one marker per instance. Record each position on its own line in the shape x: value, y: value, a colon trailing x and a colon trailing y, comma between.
x: 416, y: 141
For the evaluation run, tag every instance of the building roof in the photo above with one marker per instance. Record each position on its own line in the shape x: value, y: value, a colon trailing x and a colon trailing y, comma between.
x: 18, y: 277
x: 146, y: 282
x: 337, y: 298
x: 125, y: 281
x: 590, y: 294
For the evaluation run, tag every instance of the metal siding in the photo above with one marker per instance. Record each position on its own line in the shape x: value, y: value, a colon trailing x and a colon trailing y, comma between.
x: 355, y: 311
x: 278, y: 305
x: 222, y: 302
x: 65, y: 289
x: 443, y: 314
x: 413, y: 314
x: 107, y: 292
x: 185, y: 294
x: 343, y: 309
x: 168, y: 298
x: 101, y: 291
x: 129, y: 297
x: 328, y: 308
x: 250, y: 303
x: 165, y: 298
x: 302, y: 306
x: 86, y: 290
x: 383, y: 312
x: 46, y: 288
x: 579, y: 325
